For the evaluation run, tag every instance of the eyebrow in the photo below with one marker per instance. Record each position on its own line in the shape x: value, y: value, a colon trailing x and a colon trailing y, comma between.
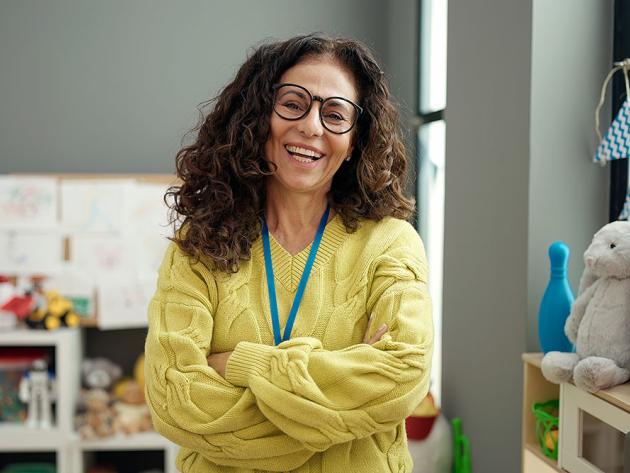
x: 336, y: 102
x: 294, y: 92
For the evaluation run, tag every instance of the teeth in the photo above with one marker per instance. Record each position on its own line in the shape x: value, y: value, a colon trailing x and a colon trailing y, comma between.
x: 304, y: 151
x: 301, y: 159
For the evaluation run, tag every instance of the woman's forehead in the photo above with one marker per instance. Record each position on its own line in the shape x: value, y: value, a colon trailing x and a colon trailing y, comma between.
x: 323, y: 77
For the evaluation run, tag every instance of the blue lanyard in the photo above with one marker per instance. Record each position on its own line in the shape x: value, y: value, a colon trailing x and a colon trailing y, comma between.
x: 273, y: 304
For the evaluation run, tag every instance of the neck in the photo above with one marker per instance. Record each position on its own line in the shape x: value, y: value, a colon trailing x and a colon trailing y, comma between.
x: 291, y: 214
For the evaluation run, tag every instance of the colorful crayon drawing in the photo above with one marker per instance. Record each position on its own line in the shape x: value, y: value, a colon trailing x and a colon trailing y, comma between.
x: 28, y: 201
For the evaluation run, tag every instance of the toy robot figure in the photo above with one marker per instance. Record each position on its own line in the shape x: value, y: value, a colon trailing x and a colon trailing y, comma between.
x: 37, y: 388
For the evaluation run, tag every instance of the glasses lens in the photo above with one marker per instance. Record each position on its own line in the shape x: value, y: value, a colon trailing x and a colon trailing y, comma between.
x: 291, y: 102
x: 338, y: 114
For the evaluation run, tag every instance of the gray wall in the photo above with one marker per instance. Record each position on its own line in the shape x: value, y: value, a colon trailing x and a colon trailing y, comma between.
x: 523, y: 82
x: 112, y: 86
x: 485, y: 224
x: 568, y: 199
x: 401, y: 61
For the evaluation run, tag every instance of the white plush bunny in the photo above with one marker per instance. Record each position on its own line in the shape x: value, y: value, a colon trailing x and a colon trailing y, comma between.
x: 599, y: 322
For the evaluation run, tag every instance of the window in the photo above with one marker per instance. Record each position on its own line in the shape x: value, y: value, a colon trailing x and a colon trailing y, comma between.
x: 430, y: 151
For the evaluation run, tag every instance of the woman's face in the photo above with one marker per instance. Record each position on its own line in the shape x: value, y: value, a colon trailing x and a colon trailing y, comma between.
x: 289, y: 141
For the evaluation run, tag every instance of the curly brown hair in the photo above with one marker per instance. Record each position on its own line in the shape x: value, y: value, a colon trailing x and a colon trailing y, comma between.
x: 222, y: 196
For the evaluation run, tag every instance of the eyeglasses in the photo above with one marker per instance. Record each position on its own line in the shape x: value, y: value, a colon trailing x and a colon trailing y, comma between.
x: 293, y: 102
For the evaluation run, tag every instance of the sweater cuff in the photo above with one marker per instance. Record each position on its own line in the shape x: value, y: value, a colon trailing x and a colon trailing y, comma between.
x: 248, y: 359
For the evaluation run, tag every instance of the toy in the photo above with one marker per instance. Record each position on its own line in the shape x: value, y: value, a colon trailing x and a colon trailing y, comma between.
x: 419, y: 424
x: 599, y: 322
x: 131, y: 412
x: 138, y: 371
x: 429, y: 439
x: 99, y: 373
x: 555, y: 305
x: 51, y: 312
x: 97, y: 418
x: 37, y: 388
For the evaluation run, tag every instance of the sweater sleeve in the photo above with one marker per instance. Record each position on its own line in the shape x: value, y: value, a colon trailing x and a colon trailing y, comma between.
x: 323, y: 397
x: 190, y: 403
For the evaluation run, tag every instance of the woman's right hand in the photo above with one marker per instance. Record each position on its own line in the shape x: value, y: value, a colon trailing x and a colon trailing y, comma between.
x: 382, y: 330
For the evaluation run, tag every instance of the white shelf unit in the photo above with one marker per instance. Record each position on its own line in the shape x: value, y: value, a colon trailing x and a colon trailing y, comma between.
x: 66, y: 344
x: 61, y: 439
x: 144, y: 441
x: 594, y: 430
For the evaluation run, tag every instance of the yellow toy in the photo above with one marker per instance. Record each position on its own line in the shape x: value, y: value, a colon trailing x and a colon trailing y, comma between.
x: 130, y: 409
x: 51, y: 312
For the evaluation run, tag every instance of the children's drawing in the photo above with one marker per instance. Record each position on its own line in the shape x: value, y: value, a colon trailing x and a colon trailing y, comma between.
x: 95, y: 206
x: 30, y: 252
x: 101, y: 256
x: 148, y: 213
x: 28, y: 202
x: 123, y: 304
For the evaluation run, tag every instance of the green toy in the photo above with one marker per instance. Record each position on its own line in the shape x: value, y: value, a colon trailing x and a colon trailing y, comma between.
x: 461, y: 449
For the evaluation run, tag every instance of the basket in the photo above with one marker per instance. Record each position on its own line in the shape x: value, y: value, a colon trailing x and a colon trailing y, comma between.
x: 546, y: 414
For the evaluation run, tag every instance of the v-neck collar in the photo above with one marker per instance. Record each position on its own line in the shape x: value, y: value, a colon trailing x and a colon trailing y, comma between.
x: 288, y: 268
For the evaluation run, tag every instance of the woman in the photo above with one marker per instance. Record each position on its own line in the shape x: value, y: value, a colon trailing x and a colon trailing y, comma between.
x: 291, y: 327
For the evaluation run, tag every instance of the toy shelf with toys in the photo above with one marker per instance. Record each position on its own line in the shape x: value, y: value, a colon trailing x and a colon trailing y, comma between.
x: 588, y: 433
x: 76, y: 275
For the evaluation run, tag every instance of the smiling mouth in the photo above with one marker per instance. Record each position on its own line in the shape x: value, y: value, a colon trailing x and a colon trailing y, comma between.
x: 303, y: 154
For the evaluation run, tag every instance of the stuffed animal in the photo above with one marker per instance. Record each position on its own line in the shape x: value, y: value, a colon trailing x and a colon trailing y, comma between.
x: 131, y: 412
x: 100, y: 373
x: 599, y: 322
x: 96, y: 418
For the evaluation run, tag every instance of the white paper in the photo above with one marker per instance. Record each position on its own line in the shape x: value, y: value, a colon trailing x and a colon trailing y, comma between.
x: 90, y: 206
x: 124, y: 304
x: 150, y: 250
x: 30, y: 252
x: 102, y: 257
x: 148, y: 214
x: 28, y: 202
x: 70, y: 282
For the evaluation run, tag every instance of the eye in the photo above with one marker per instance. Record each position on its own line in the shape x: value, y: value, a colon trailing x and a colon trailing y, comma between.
x: 293, y: 106
x: 335, y: 117
x: 612, y: 246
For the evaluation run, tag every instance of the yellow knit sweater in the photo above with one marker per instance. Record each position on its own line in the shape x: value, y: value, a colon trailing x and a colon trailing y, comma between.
x: 322, y: 402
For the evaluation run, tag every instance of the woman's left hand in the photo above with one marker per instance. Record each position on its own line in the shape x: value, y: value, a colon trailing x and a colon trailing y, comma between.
x: 218, y: 362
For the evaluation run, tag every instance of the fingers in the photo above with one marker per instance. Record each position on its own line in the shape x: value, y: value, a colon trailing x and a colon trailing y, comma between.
x: 382, y: 330
x: 367, y: 331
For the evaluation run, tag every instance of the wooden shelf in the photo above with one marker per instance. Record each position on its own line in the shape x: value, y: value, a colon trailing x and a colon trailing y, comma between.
x: 617, y: 395
x: 535, y: 449
x: 533, y: 359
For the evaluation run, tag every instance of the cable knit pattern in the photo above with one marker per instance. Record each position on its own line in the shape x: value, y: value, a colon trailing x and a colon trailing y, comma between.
x: 321, y: 402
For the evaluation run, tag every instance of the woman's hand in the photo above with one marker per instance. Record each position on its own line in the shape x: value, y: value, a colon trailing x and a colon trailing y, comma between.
x: 218, y: 362
x: 382, y: 330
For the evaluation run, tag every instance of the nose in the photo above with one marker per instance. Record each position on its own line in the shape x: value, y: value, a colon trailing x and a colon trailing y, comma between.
x: 310, y: 124
x: 590, y: 261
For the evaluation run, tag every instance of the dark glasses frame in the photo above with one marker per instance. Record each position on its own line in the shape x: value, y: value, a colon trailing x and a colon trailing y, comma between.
x: 321, y: 100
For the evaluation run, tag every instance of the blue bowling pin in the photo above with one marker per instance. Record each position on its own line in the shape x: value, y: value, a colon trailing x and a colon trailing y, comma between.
x: 556, y: 302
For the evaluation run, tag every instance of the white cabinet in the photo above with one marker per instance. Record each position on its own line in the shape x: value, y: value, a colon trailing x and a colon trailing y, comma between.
x: 70, y: 453
x: 594, y: 428
x: 65, y: 345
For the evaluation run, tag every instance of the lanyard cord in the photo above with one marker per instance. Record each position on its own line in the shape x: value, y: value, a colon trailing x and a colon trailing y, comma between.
x: 271, y: 287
